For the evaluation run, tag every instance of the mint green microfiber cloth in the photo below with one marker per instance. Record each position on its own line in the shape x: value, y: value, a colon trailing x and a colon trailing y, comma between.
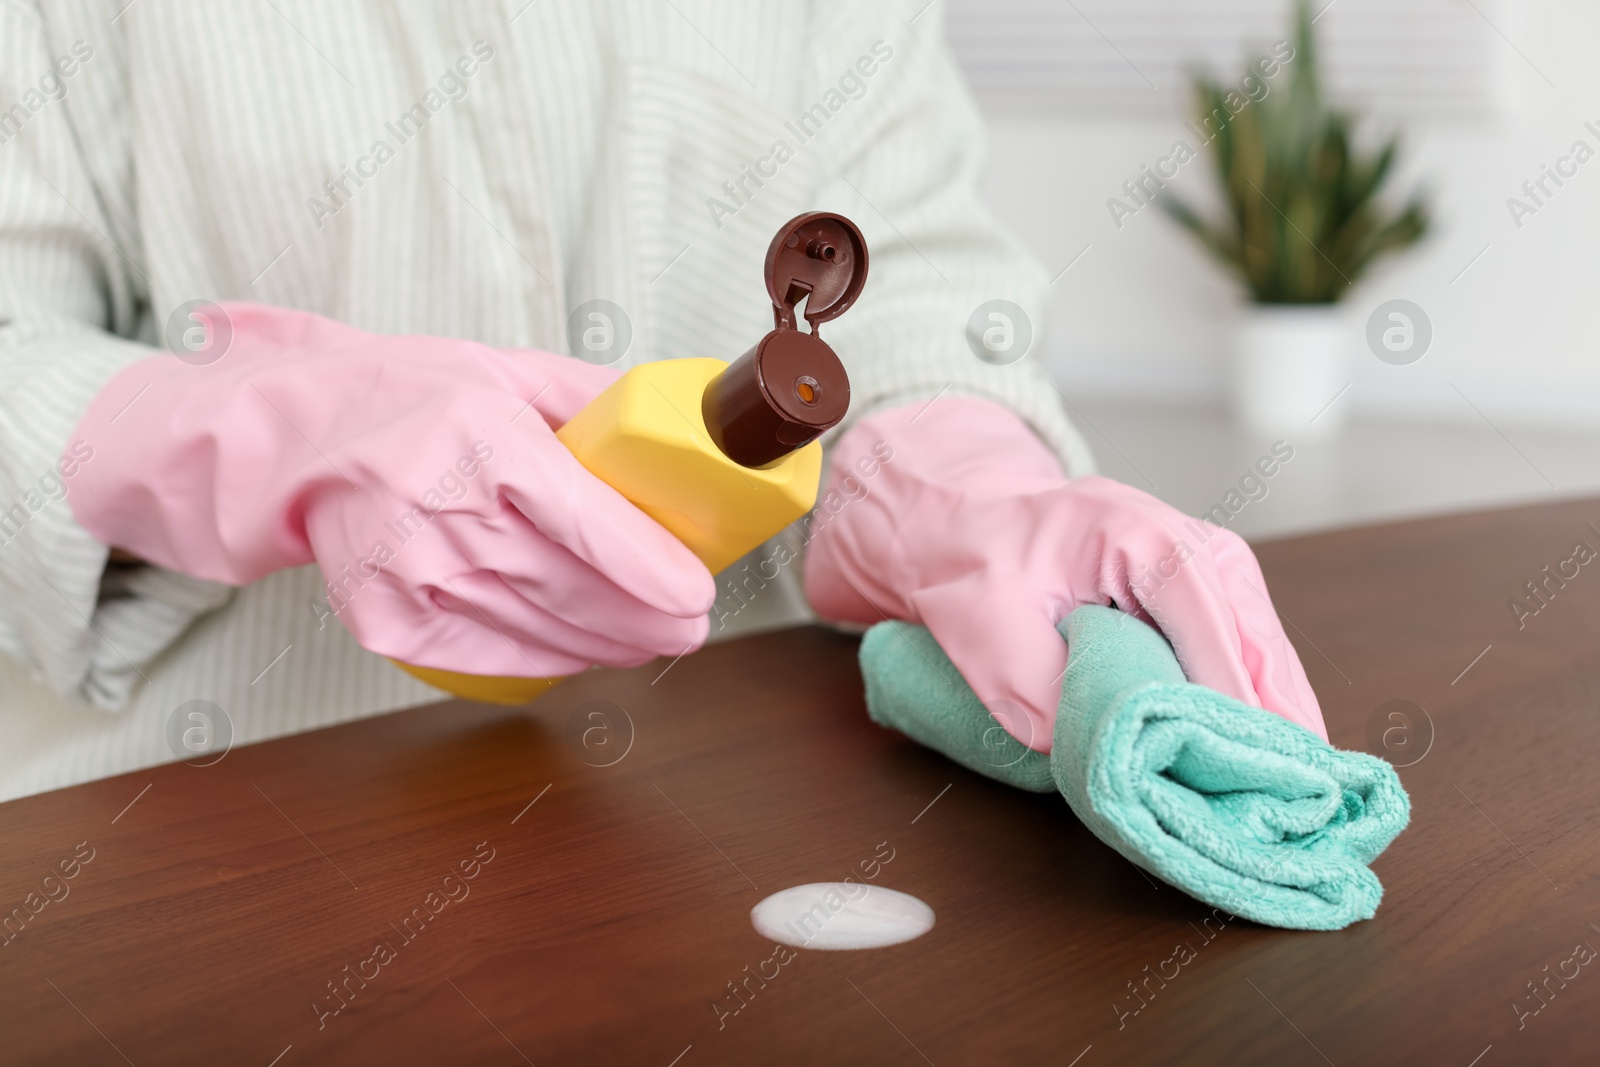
x: 1234, y: 805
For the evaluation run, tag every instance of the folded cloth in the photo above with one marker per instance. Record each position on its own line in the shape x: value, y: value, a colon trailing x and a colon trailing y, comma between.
x: 1234, y: 805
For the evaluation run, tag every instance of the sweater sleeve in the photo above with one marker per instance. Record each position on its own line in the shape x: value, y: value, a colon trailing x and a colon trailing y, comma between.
x: 902, y: 159
x: 72, y: 299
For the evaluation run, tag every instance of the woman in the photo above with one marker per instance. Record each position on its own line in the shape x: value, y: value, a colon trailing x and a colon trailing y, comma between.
x: 423, y: 208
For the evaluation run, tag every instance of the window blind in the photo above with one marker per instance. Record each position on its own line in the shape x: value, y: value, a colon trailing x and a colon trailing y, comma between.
x: 1426, y: 58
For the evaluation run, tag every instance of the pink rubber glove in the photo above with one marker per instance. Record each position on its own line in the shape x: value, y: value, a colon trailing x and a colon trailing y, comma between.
x: 971, y: 529
x: 421, y: 474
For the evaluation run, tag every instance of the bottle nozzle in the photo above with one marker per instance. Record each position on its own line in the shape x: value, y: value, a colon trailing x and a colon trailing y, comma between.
x: 791, y: 387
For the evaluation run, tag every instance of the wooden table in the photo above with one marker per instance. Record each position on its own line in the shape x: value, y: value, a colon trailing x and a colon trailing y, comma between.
x: 221, y: 902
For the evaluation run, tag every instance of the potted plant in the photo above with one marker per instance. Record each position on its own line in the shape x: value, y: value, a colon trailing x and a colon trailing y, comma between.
x: 1303, y: 222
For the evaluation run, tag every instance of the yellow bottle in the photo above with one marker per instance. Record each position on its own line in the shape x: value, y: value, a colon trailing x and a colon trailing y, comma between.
x: 722, y: 455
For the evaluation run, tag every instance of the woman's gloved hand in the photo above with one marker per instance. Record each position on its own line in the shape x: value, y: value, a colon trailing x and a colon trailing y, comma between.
x: 971, y: 529
x: 421, y: 474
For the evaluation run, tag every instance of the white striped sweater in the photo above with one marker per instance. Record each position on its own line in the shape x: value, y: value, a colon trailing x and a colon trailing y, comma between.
x: 473, y: 169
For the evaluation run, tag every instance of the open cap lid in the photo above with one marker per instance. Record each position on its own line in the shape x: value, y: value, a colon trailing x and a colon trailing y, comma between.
x: 818, y: 257
x: 791, y: 387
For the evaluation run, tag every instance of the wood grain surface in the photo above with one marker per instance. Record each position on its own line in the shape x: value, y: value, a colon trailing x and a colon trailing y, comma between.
x: 601, y: 870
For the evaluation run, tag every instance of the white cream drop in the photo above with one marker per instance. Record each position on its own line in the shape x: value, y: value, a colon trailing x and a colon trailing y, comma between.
x: 841, y: 915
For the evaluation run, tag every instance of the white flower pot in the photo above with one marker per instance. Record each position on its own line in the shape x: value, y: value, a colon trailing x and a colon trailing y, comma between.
x: 1290, y: 364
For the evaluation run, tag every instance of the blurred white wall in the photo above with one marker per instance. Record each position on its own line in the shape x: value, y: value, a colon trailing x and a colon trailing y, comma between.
x: 1144, y: 316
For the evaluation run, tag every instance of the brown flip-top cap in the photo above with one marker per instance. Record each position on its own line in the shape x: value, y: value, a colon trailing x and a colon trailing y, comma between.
x: 791, y: 387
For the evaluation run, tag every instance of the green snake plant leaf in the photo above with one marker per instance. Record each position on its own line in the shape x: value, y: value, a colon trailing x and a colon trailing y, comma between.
x: 1302, y: 216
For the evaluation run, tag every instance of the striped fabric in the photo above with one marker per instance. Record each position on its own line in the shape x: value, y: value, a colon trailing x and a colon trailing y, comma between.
x: 471, y: 169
